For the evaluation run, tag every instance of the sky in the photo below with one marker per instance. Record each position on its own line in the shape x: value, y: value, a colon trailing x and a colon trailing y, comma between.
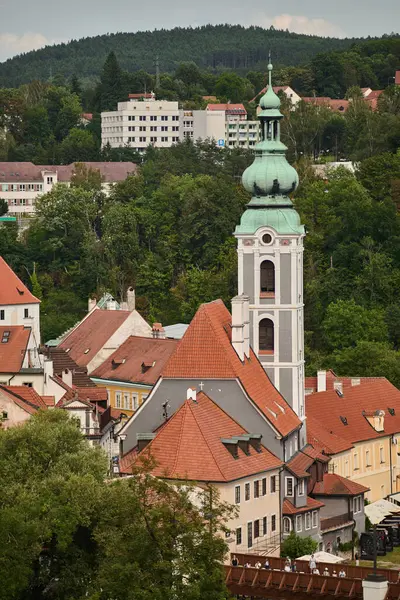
x: 30, y: 24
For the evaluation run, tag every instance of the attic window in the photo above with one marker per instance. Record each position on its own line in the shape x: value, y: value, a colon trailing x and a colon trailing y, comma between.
x: 87, y: 351
x: 116, y: 362
x: 4, y: 415
x: 344, y: 420
x: 6, y: 337
x: 67, y: 350
x: 146, y: 366
x: 392, y: 411
x: 339, y: 393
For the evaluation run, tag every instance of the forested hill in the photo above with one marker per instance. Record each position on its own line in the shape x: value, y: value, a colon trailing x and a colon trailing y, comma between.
x: 226, y: 46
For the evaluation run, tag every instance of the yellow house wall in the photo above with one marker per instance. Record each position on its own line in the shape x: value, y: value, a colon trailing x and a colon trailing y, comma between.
x: 132, y: 391
x: 368, y: 463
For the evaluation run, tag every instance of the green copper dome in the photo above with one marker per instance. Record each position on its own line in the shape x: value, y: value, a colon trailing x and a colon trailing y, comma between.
x: 270, y: 179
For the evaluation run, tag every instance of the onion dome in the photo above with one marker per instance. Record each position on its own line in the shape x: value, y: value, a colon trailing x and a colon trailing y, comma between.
x: 270, y: 100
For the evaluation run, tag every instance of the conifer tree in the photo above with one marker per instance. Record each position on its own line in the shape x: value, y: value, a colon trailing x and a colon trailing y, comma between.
x: 111, y: 83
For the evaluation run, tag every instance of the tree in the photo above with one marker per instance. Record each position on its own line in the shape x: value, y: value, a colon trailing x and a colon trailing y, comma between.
x: 48, y: 500
x: 233, y: 88
x: 295, y: 546
x: 111, y: 88
x: 3, y: 207
x: 78, y: 146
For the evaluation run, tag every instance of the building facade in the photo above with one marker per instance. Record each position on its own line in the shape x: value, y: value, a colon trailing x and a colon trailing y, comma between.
x: 270, y: 259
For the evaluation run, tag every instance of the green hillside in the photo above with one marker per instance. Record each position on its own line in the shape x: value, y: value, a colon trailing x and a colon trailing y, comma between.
x: 221, y: 46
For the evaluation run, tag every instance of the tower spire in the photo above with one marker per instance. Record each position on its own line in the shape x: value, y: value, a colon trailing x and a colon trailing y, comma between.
x: 270, y: 67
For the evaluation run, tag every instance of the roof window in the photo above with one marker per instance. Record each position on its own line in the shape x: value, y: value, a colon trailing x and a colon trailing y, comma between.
x: 344, y: 420
x: 5, y: 337
x: 87, y: 351
x: 392, y: 411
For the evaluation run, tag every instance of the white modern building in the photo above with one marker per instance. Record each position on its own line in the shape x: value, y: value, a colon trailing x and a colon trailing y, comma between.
x: 141, y: 121
x: 21, y: 183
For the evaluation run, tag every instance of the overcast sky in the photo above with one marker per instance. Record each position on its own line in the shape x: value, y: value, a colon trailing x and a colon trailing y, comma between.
x: 30, y: 24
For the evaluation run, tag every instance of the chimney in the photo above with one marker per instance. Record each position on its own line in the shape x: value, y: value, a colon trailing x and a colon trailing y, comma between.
x: 246, y: 323
x: 131, y: 299
x: 321, y: 381
x: 143, y: 440
x: 66, y: 376
x: 338, y: 387
x: 238, y: 325
x: 191, y: 394
x: 158, y: 331
x: 91, y: 304
x: 111, y: 305
x: 48, y: 371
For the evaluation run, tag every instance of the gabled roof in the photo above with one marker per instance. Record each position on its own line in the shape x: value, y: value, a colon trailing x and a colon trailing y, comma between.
x: 137, y: 360
x: 12, y: 352
x: 289, y: 509
x: 335, y: 485
x: 206, y: 352
x: 89, y: 337
x: 62, y: 361
x: 87, y: 394
x: 345, y: 415
x: 189, y: 447
x: 28, y: 172
x: 12, y: 290
x: 324, y: 440
x: 26, y: 397
x: 303, y: 459
x: 311, y: 383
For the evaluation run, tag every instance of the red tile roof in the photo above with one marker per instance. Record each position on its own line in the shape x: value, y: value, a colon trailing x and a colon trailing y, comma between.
x: 323, y: 439
x: 86, y: 394
x: 397, y: 78
x: 276, y: 88
x: 137, y: 360
x: 89, y: 337
x: 12, y: 290
x: 49, y: 400
x: 289, y: 509
x: 195, y: 431
x: 27, y: 394
x: 328, y: 407
x: 206, y: 352
x: 62, y: 361
x: 335, y: 485
x: 12, y: 353
x: 143, y: 95
x: 28, y: 172
x: 237, y: 109
x: 299, y: 464
x: 311, y: 383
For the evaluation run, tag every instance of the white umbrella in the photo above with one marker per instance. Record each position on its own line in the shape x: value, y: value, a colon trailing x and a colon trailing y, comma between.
x: 380, y: 509
x: 322, y: 557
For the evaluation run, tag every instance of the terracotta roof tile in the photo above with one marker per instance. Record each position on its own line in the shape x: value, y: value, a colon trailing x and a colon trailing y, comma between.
x: 194, y: 431
x: 137, y: 360
x: 324, y: 440
x: 344, y: 416
x: 62, y: 361
x: 299, y: 464
x: 12, y: 290
x: 397, y: 78
x: 28, y: 172
x: 228, y: 108
x: 86, y: 394
x: 311, y: 383
x: 335, y: 485
x: 289, y: 509
x: 26, y: 394
x: 206, y: 352
x: 87, y: 339
x: 12, y: 353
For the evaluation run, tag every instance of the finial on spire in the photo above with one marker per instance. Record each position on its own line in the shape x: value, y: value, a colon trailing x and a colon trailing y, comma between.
x: 270, y: 67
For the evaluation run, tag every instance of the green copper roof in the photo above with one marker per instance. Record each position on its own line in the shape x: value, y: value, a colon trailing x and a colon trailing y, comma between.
x: 270, y: 179
x: 283, y: 220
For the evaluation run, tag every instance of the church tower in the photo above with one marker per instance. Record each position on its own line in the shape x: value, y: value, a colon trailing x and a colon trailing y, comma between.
x: 270, y: 258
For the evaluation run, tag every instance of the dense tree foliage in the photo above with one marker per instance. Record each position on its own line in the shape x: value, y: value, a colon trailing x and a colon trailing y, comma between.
x: 295, y: 546
x: 67, y: 533
x: 226, y: 46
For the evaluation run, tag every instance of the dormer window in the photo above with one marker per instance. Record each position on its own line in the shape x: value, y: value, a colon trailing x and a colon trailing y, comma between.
x: 300, y: 487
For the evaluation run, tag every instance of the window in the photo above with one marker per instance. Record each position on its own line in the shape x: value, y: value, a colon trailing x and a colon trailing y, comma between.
x: 357, y: 504
x: 27, y: 383
x: 264, y: 525
x: 256, y: 489
x: 308, y: 520
x: 267, y: 238
x: 176, y: 118
x: 164, y: 128
x: 2, y: 315
x: 164, y: 118
x: 153, y: 139
x: 267, y: 276
x: 238, y: 536
x: 26, y: 313
x: 289, y: 486
x: 367, y: 458
x: 381, y: 455
x: 131, y: 128
x: 247, y: 491
x: 300, y: 488
x: 153, y: 128
x: 355, y: 461
x: 142, y: 118
x: 273, y: 523
x: 164, y: 139
x: 298, y: 524
x: 272, y: 482
x: 256, y: 529
x: 175, y: 128
x: 127, y: 400
x: 287, y: 525
x: 315, y: 519
x: 266, y: 335
x: 249, y: 535
x: 153, y: 118
x: 49, y: 180
x: 135, y: 400
x: 264, y: 486
x: 237, y: 494
x: 117, y: 399
x: 4, y: 415
x: 142, y: 139
x: 142, y: 128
